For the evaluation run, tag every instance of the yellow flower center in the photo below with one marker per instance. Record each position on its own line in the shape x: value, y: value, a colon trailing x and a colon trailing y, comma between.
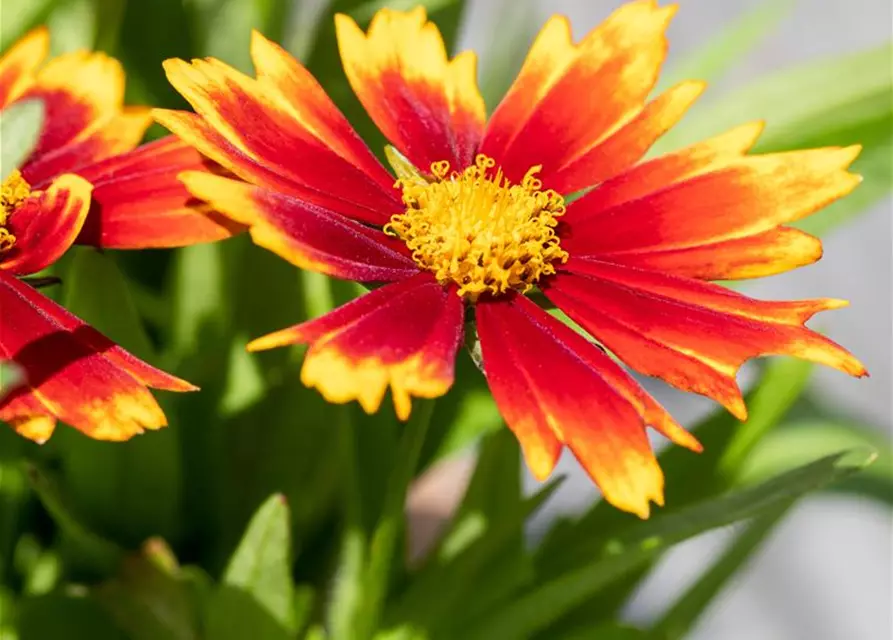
x: 479, y: 231
x: 15, y: 189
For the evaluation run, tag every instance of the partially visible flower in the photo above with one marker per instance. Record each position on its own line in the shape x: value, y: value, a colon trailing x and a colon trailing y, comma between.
x: 478, y: 216
x: 71, y: 372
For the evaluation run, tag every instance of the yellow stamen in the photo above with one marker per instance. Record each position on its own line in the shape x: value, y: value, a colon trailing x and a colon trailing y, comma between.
x: 479, y: 231
x: 14, y: 191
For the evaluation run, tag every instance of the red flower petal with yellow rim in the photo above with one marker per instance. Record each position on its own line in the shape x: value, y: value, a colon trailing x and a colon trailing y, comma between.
x: 404, y: 336
x: 19, y: 64
x: 72, y: 373
x: 741, y: 197
x: 115, y: 134
x: 140, y: 202
x: 306, y: 235
x: 543, y: 121
x: 693, y: 335
x: 554, y: 388
x: 427, y: 105
x: 79, y: 91
x: 261, y: 125
x: 46, y: 224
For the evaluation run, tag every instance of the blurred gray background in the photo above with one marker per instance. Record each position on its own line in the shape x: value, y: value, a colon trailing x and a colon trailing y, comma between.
x: 827, y: 573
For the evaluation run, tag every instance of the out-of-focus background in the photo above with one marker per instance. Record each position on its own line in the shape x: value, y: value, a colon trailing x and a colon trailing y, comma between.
x: 786, y: 594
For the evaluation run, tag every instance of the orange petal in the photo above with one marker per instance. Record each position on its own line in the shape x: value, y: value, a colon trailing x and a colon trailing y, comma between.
x: 115, y: 134
x: 427, y: 105
x: 46, y: 224
x: 553, y: 387
x: 693, y: 335
x: 72, y: 372
x: 754, y: 194
x: 80, y: 90
x: 624, y: 147
x: 263, y: 128
x: 306, y: 235
x: 19, y: 63
x: 139, y: 201
x: 544, y: 120
x: 404, y: 335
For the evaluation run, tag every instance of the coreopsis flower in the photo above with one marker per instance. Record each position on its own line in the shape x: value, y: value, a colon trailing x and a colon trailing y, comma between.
x: 83, y: 182
x: 478, y: 215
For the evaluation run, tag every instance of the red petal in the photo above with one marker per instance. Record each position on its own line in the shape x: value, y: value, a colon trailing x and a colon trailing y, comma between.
x: 116, y: 134
x: 553, y: 388
x: 404, y: 335
x: 73, y: 372
x: 139, y: 202
x: 427, y: 105
x: 265, y: 129
x: 80, y: 90
x: 544, y: 119
x: 46, y: 224
x: 308, y: 236
x: 19, y: 63
x: 741, y: 197
x: 693, y: 335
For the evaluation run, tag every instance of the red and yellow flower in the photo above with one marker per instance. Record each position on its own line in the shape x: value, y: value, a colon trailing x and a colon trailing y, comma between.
x: 478, y: 215
x: 84, y: 182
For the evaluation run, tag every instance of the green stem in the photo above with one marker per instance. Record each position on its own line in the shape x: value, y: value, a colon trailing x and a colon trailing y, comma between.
x: 678, y: 621
x: 387, y: 531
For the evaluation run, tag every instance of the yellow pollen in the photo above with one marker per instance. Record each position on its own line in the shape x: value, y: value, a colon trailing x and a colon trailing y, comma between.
x: 479, y: 231
x: 14, y: 191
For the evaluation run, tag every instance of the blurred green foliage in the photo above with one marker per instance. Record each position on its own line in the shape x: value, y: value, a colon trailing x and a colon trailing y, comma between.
x: 264, y: 512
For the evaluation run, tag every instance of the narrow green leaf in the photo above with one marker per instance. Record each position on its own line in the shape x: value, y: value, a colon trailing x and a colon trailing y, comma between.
x: 148, y: 598
x: 20, y: 126
x: 388, y: 531
x: 65, y: 615
x: 261, y: 565
x: 676, y: 623
x: 130, y: 490
x: 73, y: 26
x: 86, y: 550
x: 546, y: 604
x: 19, y: 17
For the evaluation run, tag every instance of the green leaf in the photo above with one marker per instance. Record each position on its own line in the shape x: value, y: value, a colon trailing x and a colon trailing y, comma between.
x: 130, y: 490
x: 610, y: 631
x: 11, y: 376
x: 548, y: 602
x: 20, y: 126
x: 446, y: 591
x: 19, y: 17
x: 388, y: 531
x: 71, y: 616
x: 85, y: 549
x: 97, y: 292
x: 73, y: 25
x: 257, y: 587
x: 149, y: 599
x: 807, y: 440
x: 676, y: 623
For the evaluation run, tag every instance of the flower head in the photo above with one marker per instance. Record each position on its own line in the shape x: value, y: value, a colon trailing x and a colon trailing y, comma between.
x: 81, y: 170
x: 478, y: 214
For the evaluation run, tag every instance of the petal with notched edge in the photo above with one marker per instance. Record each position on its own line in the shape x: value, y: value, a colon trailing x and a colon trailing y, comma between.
x: 544, y: 118
x: 692, y: 334
x: 79, y: 90
x: 737, y: 198
x: 554, y: 388
x: 18, y: 65
x: 404, y: 335
x: 139, y: 201
x: 427, y: 105
x: 72, y: 372
x: 308, y: 236
x: 259, y: 123
x: 46, y: 224
x: 116, y: 134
